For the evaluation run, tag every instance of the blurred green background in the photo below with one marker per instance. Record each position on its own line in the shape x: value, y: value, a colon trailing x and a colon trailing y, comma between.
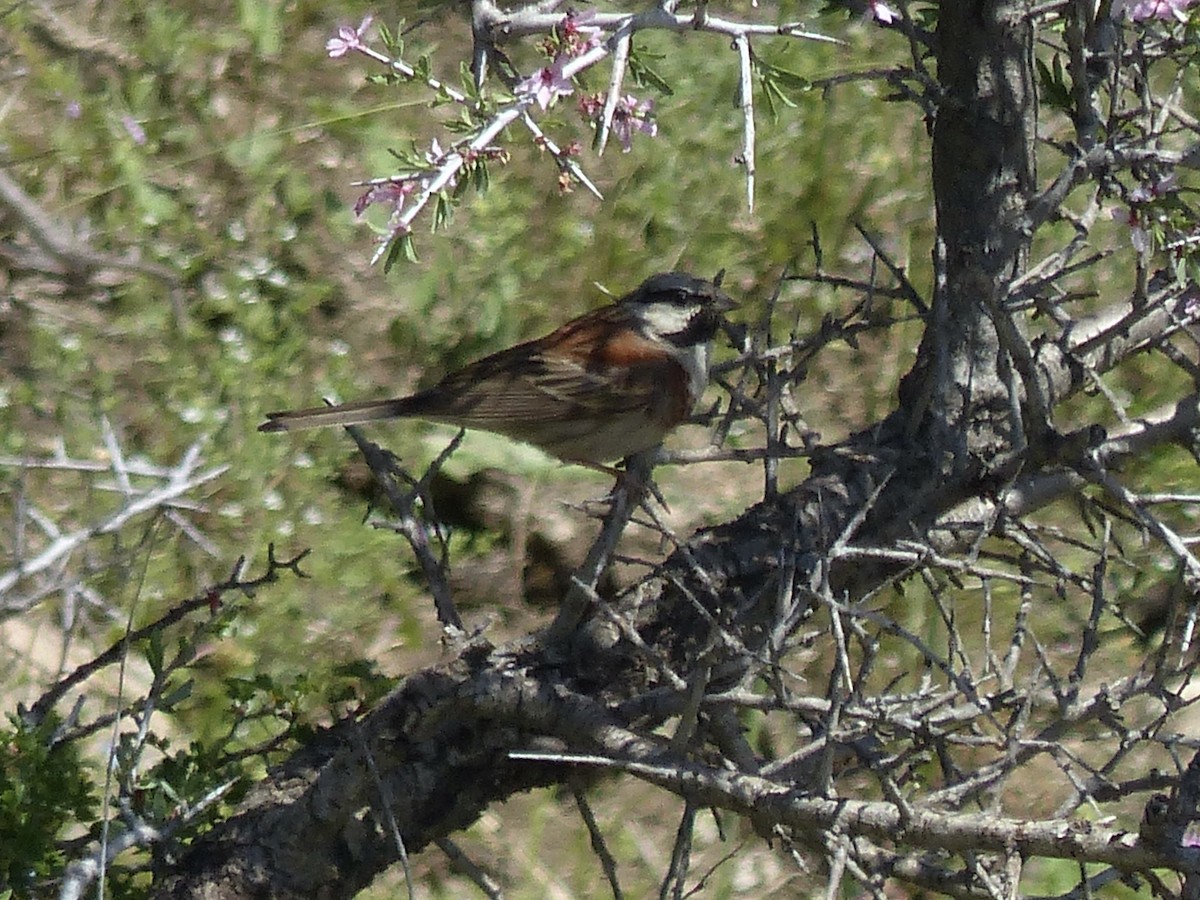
x: 253, y: 137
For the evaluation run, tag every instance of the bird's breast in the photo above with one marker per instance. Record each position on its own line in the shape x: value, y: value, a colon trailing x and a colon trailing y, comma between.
x: 694, y: 362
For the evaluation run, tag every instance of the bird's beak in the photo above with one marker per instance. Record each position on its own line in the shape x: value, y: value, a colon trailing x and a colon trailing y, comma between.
x: 722, y: 302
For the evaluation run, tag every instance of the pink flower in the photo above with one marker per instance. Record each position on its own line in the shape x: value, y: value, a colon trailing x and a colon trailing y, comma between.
x: 1138, y: 236
x: 630, y: 116
x: 881, y: 12
x: 546, y: 84
x: 1164, y: 10
x: 134, y: 130
x: 393, y: 192
x: 590, y: 105
x: 1146, y: 192
x: 578, y: 34
x: 434, y: 154
x: 348, y: 38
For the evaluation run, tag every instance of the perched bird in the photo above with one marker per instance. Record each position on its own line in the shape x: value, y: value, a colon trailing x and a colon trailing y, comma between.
x: 601, y: 387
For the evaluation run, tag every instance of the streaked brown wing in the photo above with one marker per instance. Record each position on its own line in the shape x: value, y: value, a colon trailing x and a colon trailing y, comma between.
x: 533, y: 389
x: 595, y: 366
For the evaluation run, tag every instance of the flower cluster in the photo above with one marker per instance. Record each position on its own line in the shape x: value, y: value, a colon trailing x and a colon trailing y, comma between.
x: 1141, y: 216
x: 348, y: 38
x: 1163, y: 10
x: 630, y: 116
x: 438, y: 175
x: 392, y: 191
x: 577, y: 35
x: 395, y: 190
x: 571, y: 40
x: 547, y: 84
x: 880, y: 12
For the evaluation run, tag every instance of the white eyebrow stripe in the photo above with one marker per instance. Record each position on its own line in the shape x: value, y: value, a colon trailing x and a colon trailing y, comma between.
x: 666, y: 318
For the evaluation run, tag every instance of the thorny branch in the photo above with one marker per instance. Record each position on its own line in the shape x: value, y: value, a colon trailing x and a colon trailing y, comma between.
x: 46, y: 558
x: 415, y: 518
x: 411, y: 192
x: 59, y: 250
x: 209, y: 599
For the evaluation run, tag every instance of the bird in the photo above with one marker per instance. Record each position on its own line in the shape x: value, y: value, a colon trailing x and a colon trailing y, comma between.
x: 604, y: 386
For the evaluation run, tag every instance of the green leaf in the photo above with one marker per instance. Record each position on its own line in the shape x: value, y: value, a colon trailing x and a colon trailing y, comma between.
x: 391, y: 39
x: 459, y: 126
x: 778, y: 83
x: 154, y: 653
x: 410, y: 249
x: 402, y: 244
x: 769, y: 93
x: 1056, y: 92
x: 644, y: 75
x: 177, y: 695
x: 443, y: 212
x: 393, y: 254
x: 785, y: 78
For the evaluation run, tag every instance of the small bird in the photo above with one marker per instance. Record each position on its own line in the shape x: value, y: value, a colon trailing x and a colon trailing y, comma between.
x: 603, y: 386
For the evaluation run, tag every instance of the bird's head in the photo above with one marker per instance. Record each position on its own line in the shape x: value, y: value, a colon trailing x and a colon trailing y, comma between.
x: 678, y: 308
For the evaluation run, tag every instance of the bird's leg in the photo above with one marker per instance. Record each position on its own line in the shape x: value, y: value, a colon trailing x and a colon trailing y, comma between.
x: 635, y: 476
x: 633, y: 484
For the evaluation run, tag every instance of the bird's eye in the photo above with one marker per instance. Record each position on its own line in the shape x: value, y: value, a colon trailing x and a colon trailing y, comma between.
x: 682, y: 298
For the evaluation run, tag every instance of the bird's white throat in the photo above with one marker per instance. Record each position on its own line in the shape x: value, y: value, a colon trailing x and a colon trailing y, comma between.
x: 662, y: 319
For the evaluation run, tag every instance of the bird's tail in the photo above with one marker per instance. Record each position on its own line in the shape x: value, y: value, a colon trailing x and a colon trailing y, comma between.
x: 344, y: 414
